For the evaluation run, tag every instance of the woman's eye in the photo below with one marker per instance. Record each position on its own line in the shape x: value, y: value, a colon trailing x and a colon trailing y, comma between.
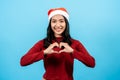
x: 61, y: 21
x: 53, y: 21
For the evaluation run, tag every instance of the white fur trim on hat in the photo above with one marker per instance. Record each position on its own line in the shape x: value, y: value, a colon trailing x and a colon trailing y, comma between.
x: 65, y: 14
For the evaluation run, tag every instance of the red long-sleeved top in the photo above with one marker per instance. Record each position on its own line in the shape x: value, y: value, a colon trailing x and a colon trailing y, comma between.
x: 58, y: 66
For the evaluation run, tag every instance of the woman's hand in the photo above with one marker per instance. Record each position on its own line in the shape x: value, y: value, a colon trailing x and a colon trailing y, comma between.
x: 50, y: 50
x: 66, y: 48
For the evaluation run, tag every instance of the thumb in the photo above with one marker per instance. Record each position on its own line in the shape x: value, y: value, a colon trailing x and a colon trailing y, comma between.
x: 62, y: 51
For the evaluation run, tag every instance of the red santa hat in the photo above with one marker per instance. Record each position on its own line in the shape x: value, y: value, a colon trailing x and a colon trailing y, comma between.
x: 55, y: 11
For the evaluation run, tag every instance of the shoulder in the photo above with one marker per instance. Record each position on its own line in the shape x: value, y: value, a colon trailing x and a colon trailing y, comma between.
x: 76, y: 42
x: 40, y: 43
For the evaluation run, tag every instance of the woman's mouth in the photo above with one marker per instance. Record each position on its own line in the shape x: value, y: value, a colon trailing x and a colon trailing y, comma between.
x: 58, y: 30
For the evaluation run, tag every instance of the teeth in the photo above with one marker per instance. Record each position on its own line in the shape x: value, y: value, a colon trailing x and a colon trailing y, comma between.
x: 58, y: 30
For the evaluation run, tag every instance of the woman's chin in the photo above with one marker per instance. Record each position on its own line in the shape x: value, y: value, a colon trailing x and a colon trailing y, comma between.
x: 58, y: 32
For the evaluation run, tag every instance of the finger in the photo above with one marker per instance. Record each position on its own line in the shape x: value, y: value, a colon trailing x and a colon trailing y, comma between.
x: 56, y: 44
x: 54, y: 51
x: 52, y: 45
x: 62, y: 51
x: 61, y: 44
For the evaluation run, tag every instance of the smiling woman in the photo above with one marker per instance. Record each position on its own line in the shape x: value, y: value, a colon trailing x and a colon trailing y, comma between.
x: 58, y: 25
x: 58, y: 50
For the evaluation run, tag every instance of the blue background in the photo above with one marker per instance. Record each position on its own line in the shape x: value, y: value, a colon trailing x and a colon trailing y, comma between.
x: 96, y: 23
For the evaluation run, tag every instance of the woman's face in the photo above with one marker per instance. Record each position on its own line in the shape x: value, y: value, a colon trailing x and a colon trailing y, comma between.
x: 58, y: 25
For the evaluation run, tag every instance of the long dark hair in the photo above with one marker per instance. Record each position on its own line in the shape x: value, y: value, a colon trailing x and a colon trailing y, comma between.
x: 50, y: 35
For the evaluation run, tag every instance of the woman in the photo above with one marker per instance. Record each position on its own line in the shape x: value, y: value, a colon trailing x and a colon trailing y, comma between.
x: 58, y: 50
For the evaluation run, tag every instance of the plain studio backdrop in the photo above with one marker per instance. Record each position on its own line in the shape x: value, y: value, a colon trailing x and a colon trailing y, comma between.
x: 96, y: 23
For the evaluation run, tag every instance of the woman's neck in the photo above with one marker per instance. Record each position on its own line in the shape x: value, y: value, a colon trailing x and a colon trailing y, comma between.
x: 57, y: 36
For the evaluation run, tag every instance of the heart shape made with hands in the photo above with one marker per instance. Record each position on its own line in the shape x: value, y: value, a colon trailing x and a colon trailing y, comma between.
x: 61, y: 47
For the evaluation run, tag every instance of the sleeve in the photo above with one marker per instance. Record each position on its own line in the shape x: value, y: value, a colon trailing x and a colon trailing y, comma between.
x: 82, y: 55
x: 33, y: 55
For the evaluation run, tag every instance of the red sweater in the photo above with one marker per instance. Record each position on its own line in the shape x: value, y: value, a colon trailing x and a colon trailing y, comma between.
x: 58, y: 66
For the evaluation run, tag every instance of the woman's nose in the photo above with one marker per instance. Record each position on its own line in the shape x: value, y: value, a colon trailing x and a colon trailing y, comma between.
x: 57, y: 24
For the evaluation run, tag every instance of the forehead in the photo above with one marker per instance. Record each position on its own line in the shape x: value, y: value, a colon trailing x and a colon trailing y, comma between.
x: 58, y: 16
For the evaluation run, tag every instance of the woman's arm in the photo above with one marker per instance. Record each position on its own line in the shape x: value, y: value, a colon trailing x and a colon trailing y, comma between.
x: 33, y: 55
x: 82, y: 55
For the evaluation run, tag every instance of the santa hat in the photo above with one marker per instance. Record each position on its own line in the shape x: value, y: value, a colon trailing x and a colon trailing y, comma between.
x: 55, y: 11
